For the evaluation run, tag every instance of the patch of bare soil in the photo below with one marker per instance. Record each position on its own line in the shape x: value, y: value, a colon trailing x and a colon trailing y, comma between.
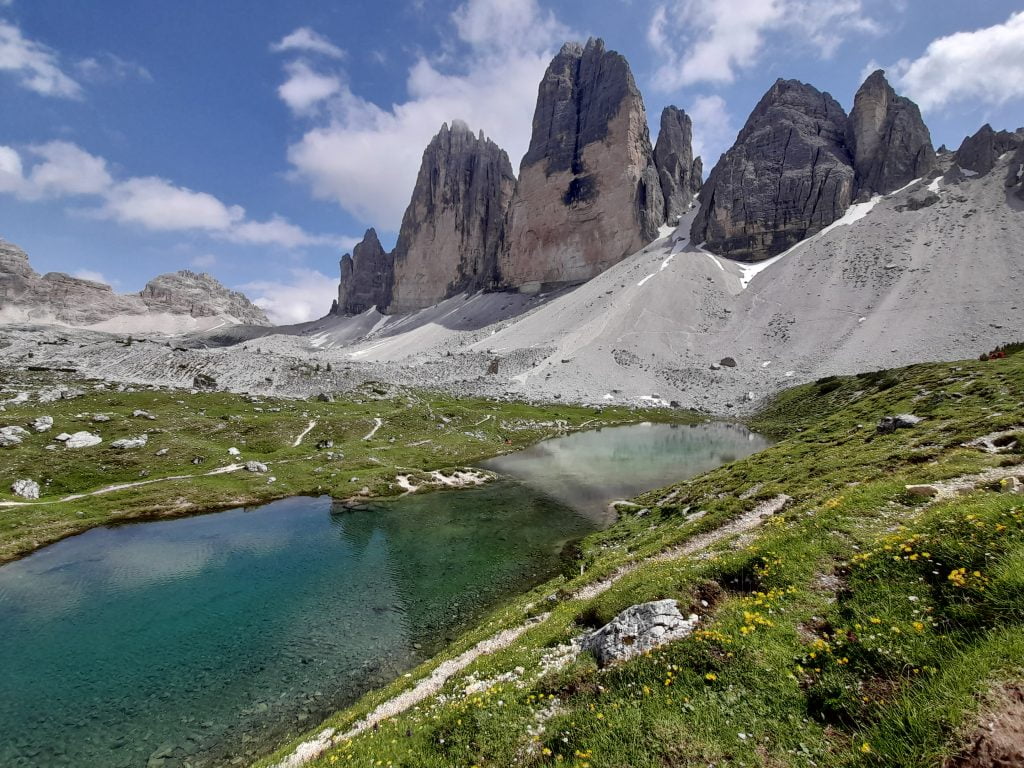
x: 998, y: 741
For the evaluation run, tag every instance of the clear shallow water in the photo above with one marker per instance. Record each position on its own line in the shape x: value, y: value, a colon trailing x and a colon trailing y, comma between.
x: 203, y: 639
x: 586, y: 470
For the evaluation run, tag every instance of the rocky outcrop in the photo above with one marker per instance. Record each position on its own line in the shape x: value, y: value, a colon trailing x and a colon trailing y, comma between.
x: 588, y: 192
x: 366, y: 277
x: 679, y: 173
x: 1015, y: 173
x: 788, y: 176
x: 637, y: 630
x: 199, y: 295
x: 454, y: 228
x: 979, y: 153
x: 888, y: 140
x: 25, y: 295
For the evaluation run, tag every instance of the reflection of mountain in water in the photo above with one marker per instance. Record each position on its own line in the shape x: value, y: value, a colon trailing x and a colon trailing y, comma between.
x: 588, y: 469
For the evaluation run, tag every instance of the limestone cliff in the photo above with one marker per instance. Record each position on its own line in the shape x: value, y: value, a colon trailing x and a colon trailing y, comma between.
x: 788, y: 176
x: 679, y: 173
x: 366, y: 277
x: 588, y: 192
x: 454, y: 228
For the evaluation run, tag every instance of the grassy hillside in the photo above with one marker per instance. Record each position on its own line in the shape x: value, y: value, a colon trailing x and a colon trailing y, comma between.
x: 194, y: 432
x: 861, y: 625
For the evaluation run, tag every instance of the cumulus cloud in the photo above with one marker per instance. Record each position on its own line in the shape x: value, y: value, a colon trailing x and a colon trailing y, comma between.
x: 985, y: 65
x: 365, y: 157
x: 306, y: 296
x: 60, y: 169
x: 711, y: 41
x: 36, y: 66
x: 304, y: 88
x: 306, y: 40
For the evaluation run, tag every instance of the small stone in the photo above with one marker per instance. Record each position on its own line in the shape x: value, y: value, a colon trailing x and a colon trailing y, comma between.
x: 255, y: 466
x: 81, y: 440
x: 43, y: 424
x: 928, y: 491
x: 727, y: 362
x: 130, y: 442
x: 325, y: 397
x: 10, y: 436
x: 161, y: 452
x: 140, y: 414
x: 888, y: 424
x: 99, y: 418
x: 1011, y: 485
x: 234, y: 452
x: 324, y: 445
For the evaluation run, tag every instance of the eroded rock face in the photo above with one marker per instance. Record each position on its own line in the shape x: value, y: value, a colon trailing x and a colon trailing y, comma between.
x: 888, y: 140
x: 454, y: 228
x: 366, y: 277
x: 679, y: 173
x: 788, y: 176
x: 55, y: 296
x: 588, y: 192
x: 1015, y: 173
x: 980, y: 152
x: 199, y: 295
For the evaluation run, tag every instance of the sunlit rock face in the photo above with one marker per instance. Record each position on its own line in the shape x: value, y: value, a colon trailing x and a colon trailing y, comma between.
x: 588, y: 192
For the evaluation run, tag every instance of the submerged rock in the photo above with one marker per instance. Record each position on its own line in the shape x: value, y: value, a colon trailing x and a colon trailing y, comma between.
x: 639, y: 629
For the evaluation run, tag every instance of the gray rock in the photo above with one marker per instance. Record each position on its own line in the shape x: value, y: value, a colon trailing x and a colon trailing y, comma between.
x: 727, y: 362
x: 43, y: 424
x: 255, y: 466
x: 367, y: 275
x: 11, y: 436
x: 454, y: 229
x: 204, y: 382
x: 130, y: 442
x: 59, y: 297
x: 81, y: 440
x: 979, y: 152
x: 162, y: 452
x: 888, y: 424
x: 638, y: 629
x: 788, y: 176
x: 325, y: 397
x: 99, y: 418
x: 678, y: 172
x: 928, y: 491
x: 324, y: 445
x: 888, y: 140
x: 27, y: 489
x: 1015, y: 173
x: 588, y: 193
x: 141, y: 414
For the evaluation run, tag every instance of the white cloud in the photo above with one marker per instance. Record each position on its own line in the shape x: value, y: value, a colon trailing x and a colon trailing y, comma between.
x: 203, y: 261
x: 305, y: 88
x: 366, y: 157
x: 712, y: 40
x: 984, y: 65
x: 62, y: 170
x: 306, y: 40
x: 307, y: 296
x: 110, y: 68
x: 35, y: 65
x: 89, y: 274
x: 158, y: 204
x: 713, y: 131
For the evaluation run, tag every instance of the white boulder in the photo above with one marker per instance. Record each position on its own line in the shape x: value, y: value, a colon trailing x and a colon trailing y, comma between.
x: 638, y: 629
x: 81, y: 440
x: 11, y: 436
x: 131, y: 442
x: 27, y: 489
x: 255, y: 466
x: 43, y: 424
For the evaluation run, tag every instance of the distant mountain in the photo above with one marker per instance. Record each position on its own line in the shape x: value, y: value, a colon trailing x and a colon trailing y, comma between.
x: 172, y: 303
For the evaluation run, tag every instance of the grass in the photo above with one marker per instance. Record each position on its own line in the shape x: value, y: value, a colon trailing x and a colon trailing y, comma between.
x: 860, y: 626
x: 420, y: 432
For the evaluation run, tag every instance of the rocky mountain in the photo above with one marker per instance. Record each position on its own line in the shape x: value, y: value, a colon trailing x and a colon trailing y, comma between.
x: 179, y: 301
x: 198, y: 294
x: 979, y: 153
x: 680, y: 174
x: 1015, y: 172
x: 788, y: 175
x: 588, y: 192
x: 888, y: 140
x: 366, y: 277
x: 454, y: 228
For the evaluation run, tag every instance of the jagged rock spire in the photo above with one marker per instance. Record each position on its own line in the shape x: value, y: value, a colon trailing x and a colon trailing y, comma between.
x: 679, y: 173
x: 366, y: 277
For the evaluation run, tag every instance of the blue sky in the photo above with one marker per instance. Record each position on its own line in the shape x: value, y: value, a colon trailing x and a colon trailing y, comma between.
x: 257, y: 141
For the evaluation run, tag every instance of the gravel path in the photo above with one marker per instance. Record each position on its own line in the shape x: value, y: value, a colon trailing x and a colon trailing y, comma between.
x: 306, y: 431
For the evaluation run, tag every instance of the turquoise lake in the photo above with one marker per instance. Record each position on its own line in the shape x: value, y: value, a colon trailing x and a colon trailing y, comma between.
x: 202, y: 640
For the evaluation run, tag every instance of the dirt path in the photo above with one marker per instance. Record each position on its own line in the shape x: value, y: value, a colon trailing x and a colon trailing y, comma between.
x: 306, y: 431
x: 377, y: 424
x: 122, y: 487
x: 310, y: 750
